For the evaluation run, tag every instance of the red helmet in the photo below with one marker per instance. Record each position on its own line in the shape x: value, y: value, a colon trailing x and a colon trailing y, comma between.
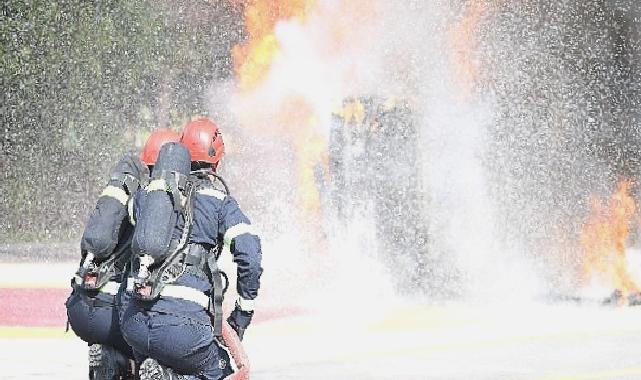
x: 156, y: 140
x: 204, y: 140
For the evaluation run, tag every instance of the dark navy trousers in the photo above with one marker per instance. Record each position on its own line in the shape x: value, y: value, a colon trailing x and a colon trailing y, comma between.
x: 95, y: 318
x: 178, y: 334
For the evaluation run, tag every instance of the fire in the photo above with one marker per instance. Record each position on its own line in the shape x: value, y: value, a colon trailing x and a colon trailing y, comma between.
x: 294, y: 118
x: 300, y: 58
x: 604, y: 236
x: 252, y: 60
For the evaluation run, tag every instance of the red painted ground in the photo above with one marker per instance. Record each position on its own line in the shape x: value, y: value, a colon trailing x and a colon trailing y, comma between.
x: 44, y: 307
x: 38, y: 307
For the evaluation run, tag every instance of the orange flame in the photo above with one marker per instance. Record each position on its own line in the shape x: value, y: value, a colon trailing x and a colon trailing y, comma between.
x: 294, y: 116
x: 604, y: 236
x: 253, y: 58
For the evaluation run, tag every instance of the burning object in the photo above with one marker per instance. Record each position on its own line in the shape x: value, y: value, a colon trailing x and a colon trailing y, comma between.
x: 604, y: 238
x: 253, y: 59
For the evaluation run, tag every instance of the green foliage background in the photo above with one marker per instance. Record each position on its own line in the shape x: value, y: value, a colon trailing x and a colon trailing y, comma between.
x: 80, y: 80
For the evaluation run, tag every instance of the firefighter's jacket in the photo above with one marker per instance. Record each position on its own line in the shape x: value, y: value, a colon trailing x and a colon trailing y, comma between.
x: 217, y: 219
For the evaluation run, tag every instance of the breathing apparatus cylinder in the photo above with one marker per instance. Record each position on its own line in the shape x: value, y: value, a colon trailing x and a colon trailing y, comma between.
x: 162, y: 222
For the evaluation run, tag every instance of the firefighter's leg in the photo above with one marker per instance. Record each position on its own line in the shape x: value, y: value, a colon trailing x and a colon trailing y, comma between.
x: 186, y: 344
x: 107, y: 363
x: 152, y: 370
x: 135, y: 329
x: 95, y: 320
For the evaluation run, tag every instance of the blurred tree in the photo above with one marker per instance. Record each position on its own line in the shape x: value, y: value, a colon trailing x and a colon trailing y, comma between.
x: 79, y: 80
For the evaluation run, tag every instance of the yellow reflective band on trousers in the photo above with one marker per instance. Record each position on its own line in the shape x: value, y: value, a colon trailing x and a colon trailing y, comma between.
x: 185, y: 293
x: 237, y: 230
x: 115, y: 192
x: 178, y: 291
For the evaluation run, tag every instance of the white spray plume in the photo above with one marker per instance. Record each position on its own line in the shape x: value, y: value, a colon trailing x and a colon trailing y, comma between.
x: 392, y: 49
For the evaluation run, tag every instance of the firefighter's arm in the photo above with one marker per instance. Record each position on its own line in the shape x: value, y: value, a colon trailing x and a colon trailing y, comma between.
x: 244, y: 244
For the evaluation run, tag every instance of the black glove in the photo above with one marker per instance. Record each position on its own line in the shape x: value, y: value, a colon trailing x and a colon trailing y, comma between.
x: 239, y: 320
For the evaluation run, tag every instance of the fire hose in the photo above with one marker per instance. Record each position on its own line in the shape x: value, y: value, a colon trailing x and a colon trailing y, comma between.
x: 238, y: 354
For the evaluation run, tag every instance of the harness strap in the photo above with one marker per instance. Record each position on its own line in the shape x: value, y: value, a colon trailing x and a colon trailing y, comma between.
x: 95, y: 302
x: 199, y: 256
x: 131, y: 183
x: 172, y: 182
x: 130, y: 284
x: 128, y: 181
x: 216, y: 296
x: 194, y: 256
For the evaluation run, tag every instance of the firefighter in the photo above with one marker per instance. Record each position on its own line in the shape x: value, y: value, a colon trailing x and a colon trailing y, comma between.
x: 174, y: 319
x: 94, y: 306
